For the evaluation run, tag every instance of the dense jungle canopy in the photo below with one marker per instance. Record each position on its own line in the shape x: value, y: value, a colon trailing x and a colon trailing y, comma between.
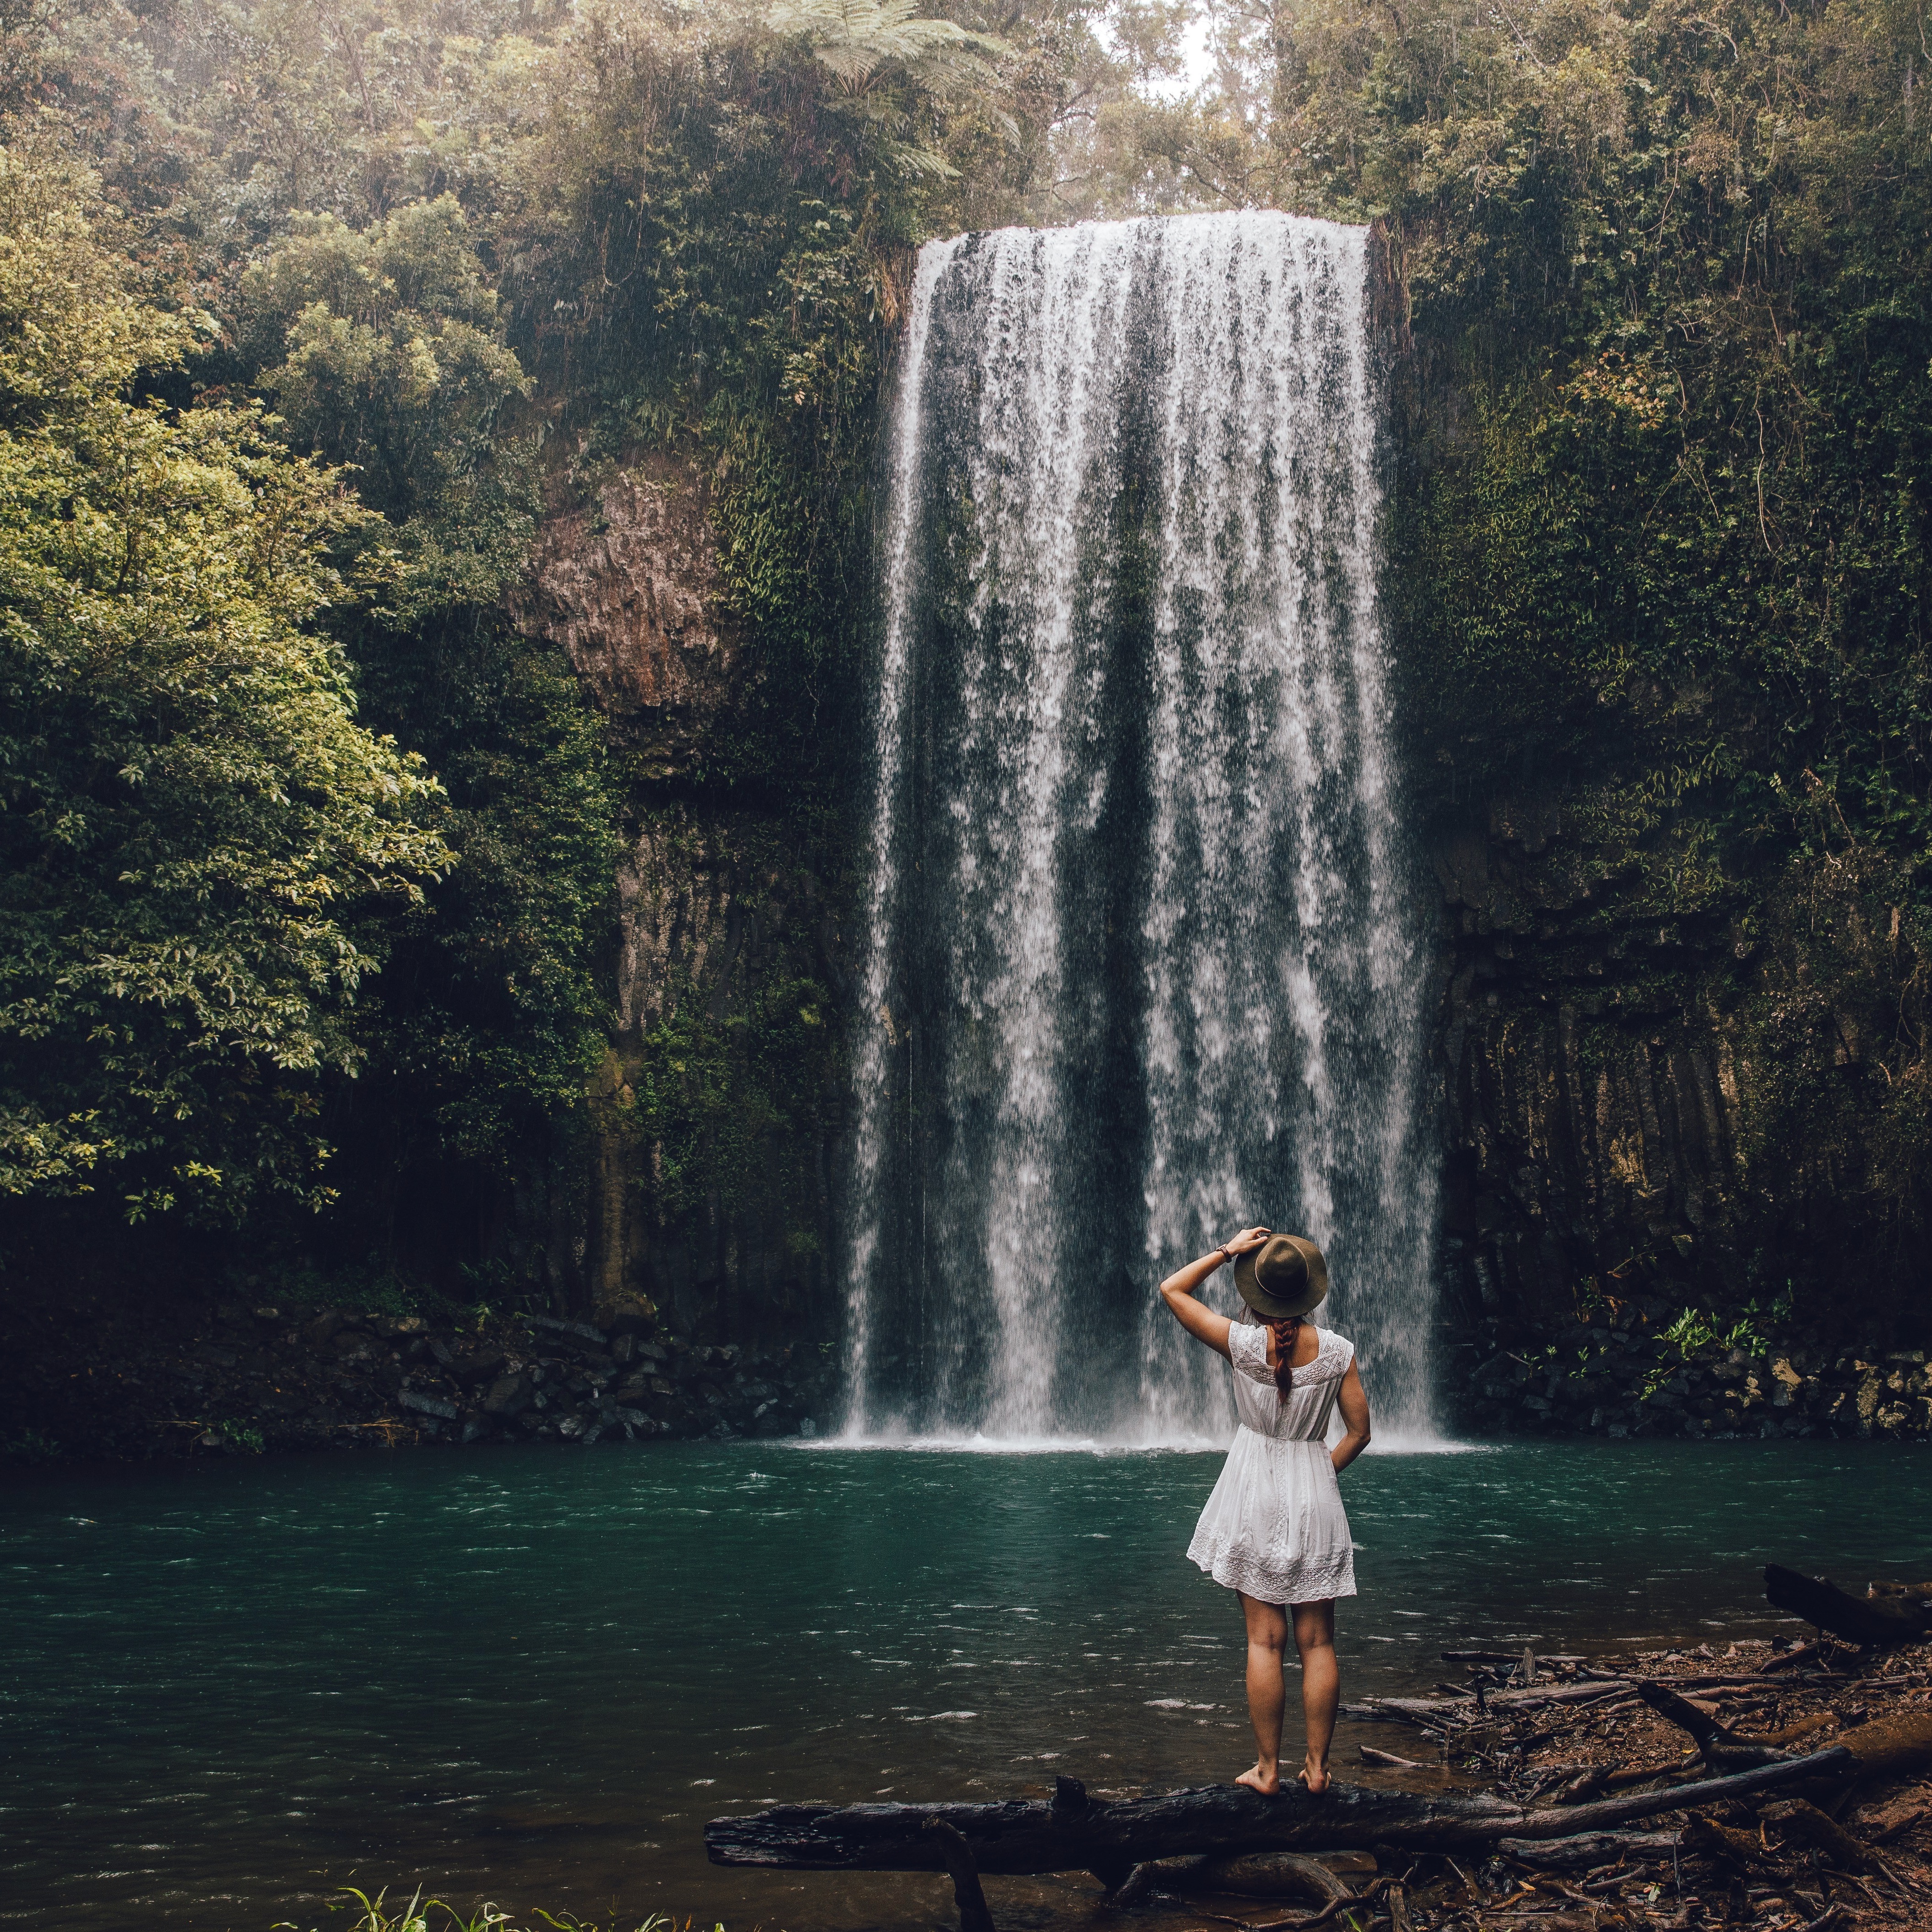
x: 309, y: 314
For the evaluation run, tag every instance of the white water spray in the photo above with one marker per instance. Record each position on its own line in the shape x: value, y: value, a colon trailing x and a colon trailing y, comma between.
x: 1140, y: 956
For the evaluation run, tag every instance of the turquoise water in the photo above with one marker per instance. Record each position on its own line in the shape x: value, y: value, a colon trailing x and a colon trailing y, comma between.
x: 531, y: 1674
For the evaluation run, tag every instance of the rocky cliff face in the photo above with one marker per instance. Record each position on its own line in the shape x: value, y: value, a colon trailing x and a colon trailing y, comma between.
x: 629, y: 585
x: 1671, y: 1107
x: 1682, y: 1161
x: 709, y: 1160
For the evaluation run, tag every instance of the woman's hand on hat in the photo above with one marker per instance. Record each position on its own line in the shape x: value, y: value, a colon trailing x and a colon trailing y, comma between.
x: 1247, y: 1241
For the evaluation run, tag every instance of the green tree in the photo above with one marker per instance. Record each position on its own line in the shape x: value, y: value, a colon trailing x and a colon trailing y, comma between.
x: 383, y: 349
x: 195, y: 829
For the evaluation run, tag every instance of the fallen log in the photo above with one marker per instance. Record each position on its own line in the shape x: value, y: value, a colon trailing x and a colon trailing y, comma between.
x: 1592, y: 1850
x: 1834, y: 1765
x: 1800, y: 1821
x: 1923, y: 1592
x: 1246, y: 1875
x: 1109, y: 1839
x: 1891, y: 1747
x: 1257, y: 1875
x: 1877, y: 1620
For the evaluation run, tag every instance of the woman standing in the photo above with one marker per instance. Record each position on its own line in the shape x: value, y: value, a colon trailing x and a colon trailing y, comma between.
x: 1274, y: 1531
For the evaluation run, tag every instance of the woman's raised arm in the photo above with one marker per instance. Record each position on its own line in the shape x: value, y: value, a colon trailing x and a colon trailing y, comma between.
x: 1179, y: 1289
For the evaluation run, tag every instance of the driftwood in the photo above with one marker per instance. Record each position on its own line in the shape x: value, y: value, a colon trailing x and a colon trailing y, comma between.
x: 1436, y: 1710
x: 1921, y: 1591
x: 1592, y: 1850
x: 1252, y: 1875
x: 1722, y: 1749
x: 1333, y: 1909
x: 1832, y: 1765
x: 1717, y: 1841
x: 1246, y: 1875
x: 1879, y: 1620
x: 1891, y: 1747
x: 1504, y: 1656
x: 1802, y: 1823
x: 966, y: 1894
x: 1109, y: 1839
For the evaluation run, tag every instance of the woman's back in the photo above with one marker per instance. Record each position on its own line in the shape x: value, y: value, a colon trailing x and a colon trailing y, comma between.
x: 1304, y: 1416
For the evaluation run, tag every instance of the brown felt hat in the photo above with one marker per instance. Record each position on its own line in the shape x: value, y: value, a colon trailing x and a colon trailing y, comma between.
x: 1285, y: 1276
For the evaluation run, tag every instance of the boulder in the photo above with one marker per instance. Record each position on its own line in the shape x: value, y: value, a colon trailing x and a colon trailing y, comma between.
x: 509, y: 1395
x: 478, y: 1366
x: 628, y: 1315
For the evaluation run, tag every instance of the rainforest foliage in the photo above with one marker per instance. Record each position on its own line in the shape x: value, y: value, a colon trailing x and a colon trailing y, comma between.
x: 312, y: 312
x: 347, y: 297
x: 1661, y: 284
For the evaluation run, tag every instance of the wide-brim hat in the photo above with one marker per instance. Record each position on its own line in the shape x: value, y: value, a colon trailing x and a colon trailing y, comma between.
x: 1285, y: 1276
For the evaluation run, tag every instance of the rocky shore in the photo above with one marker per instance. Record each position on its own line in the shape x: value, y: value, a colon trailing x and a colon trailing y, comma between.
x: 238, y: 1377
x: 99, y: 1377
x: 1621, y: 1382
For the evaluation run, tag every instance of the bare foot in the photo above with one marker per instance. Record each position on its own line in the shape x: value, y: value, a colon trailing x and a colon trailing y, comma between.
x: 1314, y: 1778
x: 1267, y: 1782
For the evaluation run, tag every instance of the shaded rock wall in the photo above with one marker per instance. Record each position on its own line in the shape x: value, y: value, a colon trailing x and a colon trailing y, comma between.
x: 707, y: 1166
x: 1662, y: 1089
x: 96, y: 1375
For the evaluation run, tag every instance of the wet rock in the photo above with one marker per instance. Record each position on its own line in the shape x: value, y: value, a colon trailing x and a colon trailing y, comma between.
x: 557, y: 1325
x: 427, y: 1404
x: 510, y: 1396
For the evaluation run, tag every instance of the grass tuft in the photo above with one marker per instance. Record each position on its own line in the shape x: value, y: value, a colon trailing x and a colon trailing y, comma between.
x: 432, y: 1914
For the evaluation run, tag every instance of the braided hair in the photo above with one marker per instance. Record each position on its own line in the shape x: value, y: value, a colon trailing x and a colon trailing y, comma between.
x: 1286, y: 1333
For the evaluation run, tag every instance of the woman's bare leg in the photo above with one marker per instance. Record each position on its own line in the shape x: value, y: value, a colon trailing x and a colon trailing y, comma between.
x: 1268, y: 1694
x: 1320, y: 1685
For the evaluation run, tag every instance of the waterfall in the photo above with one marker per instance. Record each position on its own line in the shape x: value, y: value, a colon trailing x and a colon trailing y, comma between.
x: 1140, y: 958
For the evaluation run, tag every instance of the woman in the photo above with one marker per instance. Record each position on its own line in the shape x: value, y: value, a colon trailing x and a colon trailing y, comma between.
x: 1273, y: 1531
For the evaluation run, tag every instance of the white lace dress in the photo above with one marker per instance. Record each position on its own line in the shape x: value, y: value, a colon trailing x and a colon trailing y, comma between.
x: 1274, y: 1527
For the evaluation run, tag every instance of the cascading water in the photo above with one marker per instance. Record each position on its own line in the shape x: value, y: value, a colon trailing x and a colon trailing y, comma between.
x: 1140, y: 962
